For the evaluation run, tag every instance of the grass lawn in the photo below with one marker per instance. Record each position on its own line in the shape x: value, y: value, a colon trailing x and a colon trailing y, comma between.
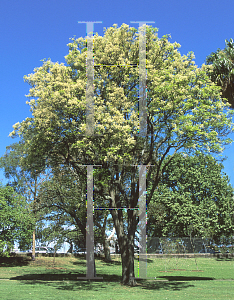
x: 182, y: 278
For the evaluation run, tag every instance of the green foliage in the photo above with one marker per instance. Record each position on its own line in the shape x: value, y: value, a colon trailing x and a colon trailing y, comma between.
x: 222, y: 72
x: 62, y: 201
x: 16, y: 222
x: 184, y: 107
x: 54, y: 233
x: 194, y: 197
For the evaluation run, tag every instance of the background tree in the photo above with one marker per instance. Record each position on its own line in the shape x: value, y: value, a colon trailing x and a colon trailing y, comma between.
x: 193, y: 190
x: 223, y: 70
x: 185, y: 112
x: 65, y: 194
x: 55, y: 232
x: 16, y: 221
x: 24, y: 177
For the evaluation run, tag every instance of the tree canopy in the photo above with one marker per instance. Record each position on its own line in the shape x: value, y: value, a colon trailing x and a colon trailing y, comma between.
x: 223, y: 70
x: 184, y: 112
x: 194, y: 197
x: 16, y: 222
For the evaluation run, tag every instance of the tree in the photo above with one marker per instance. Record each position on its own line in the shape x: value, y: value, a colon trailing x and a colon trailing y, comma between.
x: 55, y: 233
x: 184, y: 112
x: 16, y: 223
x: 223, y: 70
x: 65, y: 194
x: 23, y: 177
x: 193, y: 191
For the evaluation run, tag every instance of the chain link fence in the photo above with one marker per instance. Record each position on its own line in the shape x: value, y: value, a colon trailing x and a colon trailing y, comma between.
x: 183, y: 245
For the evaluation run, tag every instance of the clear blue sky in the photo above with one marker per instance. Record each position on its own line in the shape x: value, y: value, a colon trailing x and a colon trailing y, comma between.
x: 33, y: 30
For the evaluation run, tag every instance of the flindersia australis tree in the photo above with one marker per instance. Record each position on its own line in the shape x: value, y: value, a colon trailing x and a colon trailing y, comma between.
x: 184, y: 111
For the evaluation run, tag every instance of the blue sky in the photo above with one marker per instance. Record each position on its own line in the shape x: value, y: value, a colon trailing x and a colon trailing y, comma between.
x: 33, y: 30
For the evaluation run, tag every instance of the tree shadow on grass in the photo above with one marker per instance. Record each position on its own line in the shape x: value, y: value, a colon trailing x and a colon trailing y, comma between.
x: 71, y: 281
x: 104, y: 285
x: 174, y: 286
x: 174, y: 283
x: 185, y: 278
x: 14, y: 261
x: 55, y: 276
x: 75, y: 278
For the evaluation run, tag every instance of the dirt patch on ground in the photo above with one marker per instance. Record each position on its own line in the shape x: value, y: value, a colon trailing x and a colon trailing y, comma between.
x: 56, y: 268
x: 178, y: 270
x: 166, y: 271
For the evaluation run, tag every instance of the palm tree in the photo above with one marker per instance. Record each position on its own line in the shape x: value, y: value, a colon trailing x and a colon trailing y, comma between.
x: 223, y: 70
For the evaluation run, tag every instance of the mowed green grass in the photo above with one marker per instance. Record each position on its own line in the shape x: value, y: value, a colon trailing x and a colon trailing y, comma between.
x: 182, y: 278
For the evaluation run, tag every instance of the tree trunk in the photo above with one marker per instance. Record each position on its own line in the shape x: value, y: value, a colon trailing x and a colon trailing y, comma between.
x: 105, y: 241
x: 126, y: 245
x: 54, y: 254
x: 71, y: 247
x: 127, y: 257
x: 106, y: 250
x: 125, y: 235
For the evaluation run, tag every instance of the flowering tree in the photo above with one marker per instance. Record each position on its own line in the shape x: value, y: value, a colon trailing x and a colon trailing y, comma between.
x: 184, y: 112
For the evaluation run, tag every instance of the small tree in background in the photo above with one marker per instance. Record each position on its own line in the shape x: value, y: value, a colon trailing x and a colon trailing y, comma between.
x: 16, y: 221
